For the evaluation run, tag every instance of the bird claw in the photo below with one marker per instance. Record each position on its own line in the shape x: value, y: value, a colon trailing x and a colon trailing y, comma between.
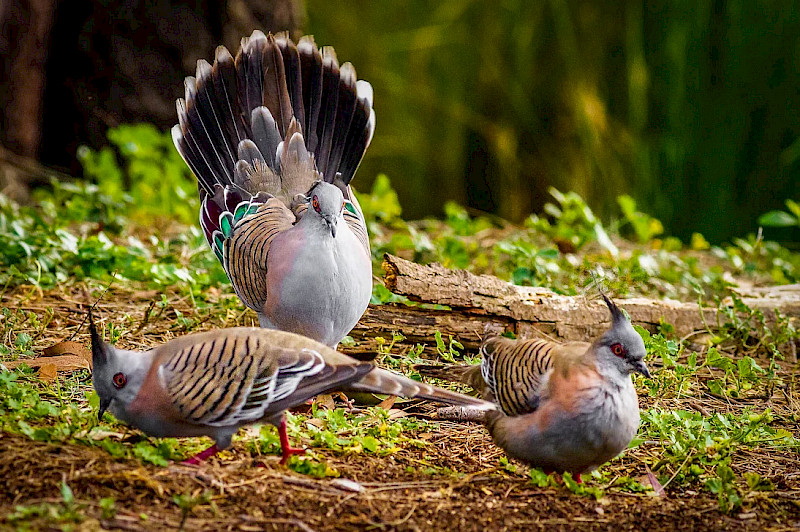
x: 287, y: 452
x: 202, y: 456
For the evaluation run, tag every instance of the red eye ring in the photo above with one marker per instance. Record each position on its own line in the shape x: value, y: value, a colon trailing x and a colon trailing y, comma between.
x: 618, y: 350
x: 119, y: 380
x: 315, y: 203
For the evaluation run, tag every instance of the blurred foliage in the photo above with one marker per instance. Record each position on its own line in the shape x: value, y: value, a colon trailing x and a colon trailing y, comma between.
x: 152, y: 178
x: 690, y: 108
x: 563, y: 247
x: 139, y: 222
x: 782, y: 218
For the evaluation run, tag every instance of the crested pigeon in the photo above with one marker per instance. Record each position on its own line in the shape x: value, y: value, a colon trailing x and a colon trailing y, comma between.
x: 563, y: 407
x: 212, y: 383
x: 274, y: 138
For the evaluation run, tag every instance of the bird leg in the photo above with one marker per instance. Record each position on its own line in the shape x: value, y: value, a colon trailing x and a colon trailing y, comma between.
x: 202, y: 455
x: 286, y: 449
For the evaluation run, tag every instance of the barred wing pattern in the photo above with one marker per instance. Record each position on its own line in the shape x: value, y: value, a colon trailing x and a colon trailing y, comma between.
x: 514, y: 370
x: 247, y: 271
x: 234, y: 379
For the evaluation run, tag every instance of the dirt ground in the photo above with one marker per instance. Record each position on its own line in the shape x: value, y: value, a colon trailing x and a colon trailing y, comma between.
x: 248, y: 493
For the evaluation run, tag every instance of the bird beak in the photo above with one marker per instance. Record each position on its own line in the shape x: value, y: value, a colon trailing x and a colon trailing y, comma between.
x: 640, y: 367
x: 331, y: 225
x: 104, y: 404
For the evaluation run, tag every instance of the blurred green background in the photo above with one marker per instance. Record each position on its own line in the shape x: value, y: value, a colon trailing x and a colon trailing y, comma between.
x: 688, y: 106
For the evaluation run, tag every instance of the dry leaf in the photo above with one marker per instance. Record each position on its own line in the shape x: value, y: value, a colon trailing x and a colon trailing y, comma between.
x: 325, y: 400
x: 63, y: 363
x: 68, y: 348
x: 388, y: 403
x: 48, y: 372
x: 657, y: 487
x: 62, y: 357
x: 394, y: 413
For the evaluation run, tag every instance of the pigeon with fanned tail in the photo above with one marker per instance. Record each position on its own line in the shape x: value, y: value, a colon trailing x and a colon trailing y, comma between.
x: 274, y: 138
x: 212, y: 383
x: 563, y: 407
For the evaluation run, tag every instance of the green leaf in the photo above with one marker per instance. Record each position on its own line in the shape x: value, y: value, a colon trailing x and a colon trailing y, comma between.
x: 793, y: 207
x: 66, y: 493
x: 539, y: 478
x: 369, y: 443
x: 777, y: 219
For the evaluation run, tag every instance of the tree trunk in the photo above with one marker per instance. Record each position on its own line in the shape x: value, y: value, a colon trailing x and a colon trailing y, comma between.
x: 107, y: 63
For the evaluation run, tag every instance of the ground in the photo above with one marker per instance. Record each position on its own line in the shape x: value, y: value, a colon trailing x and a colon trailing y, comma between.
x: 437, y: 476
x: 717, y: 448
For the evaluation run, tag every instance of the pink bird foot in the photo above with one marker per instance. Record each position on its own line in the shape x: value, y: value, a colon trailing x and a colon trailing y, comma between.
x: 286, y: 449
x: 202, y: 455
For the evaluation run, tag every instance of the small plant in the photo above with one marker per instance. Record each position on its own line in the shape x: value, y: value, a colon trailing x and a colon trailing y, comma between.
x: 42, y: 413
x: 700, y: 448
x: 448, y: 351
x: 381, y: 204
x: 644, y: 226
x: 573, y: 224
x: 724, y: 486
x: 187, y: 502
x: 153, y: 175
x: 782, y: 218
x: 62, y: 513
x: 108, y: 507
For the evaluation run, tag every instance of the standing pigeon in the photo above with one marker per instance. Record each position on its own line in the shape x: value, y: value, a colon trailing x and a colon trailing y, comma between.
x: 563, y: 407
x: 274, y: 138
x: 212, y: 383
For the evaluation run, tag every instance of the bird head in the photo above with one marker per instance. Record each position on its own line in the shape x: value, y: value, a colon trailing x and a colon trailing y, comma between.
x: 327, y: 202
x: 116, y: 375
x: 621, y: 346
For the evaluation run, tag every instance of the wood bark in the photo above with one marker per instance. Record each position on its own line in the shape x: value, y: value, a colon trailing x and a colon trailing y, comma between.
x: 107, y: 63
x: 483, y: 304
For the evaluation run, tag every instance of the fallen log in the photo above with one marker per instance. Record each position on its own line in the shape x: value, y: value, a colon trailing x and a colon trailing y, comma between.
x: 483, y: 304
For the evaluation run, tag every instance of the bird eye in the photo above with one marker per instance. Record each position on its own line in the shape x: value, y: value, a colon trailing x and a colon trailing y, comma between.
x: 119, y: 380
x: 315, y: 203
x: 618, y: 350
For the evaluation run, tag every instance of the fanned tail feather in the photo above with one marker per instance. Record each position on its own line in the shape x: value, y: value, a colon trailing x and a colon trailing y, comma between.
x: 257, y: 95
x: 311, y: 64
x: 270, y: 122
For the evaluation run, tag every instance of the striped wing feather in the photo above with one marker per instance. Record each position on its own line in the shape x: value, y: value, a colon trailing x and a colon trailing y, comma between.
x: 514, y: 371
x: 234, y: 378
x: 247, y: 249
